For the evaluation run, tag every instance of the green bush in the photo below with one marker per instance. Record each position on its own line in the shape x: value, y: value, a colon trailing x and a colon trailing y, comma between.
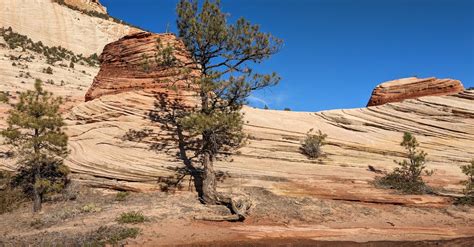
x: 312, y: 144
x: 132, y: 217
x: 469, y: 183
x: 10, y: 198
x: 407, y: 177
x: 122, y: 196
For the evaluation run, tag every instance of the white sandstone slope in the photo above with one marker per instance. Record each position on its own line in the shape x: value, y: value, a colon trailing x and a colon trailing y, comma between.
x: 58, y: 25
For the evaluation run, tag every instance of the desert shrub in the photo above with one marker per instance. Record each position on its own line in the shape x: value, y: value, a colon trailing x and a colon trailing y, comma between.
x: 287, y: 109
x: 407, y: 178
x: 312, y: 144
x: 132, y: 217
x: 469, y: 183
x: 4, y: 97
x: 10, y: 198
x: 52, y: 54
x: 108, y: 235
x: 122, y: 196
x: 48, y: 70
x: 90, y: 208
x: 71, y: 65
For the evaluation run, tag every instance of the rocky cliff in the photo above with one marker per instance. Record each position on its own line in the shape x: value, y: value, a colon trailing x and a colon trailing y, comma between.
x: 130, y: 64
x: 58, y: 25
x: 411, y: 88
x: 87, y: 5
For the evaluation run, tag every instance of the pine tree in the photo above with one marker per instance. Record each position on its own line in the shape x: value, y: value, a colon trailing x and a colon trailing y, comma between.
x: 224, y: 54
x: 407, y: 177
x: 34, y: 130
x: 469, y: 171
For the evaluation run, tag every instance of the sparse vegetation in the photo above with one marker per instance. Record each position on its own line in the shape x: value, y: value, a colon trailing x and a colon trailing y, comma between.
x: 122, y: 196
x: 132, y: 217
x: 407, y: 178
x: 4, y: 97
x: 165, y: 56
x: 48, y: 70
x: 10, y: 198
x: 312, y: 144
x: 34, y: 131
x: 468, y: 198
x: 95, y: 14
x: 287, y: 109
x: 52, y: 54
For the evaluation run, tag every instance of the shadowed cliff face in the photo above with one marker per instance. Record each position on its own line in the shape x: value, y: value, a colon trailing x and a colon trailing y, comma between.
x: 412, y: 88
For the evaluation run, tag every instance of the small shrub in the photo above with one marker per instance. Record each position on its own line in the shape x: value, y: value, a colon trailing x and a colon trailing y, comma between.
x: 407, y: 177
x: 469, y: 171
x: 111, y: 235
x: 132, y: 217
x: 71, y: 65
x: 312, y: 144
x: 90, y: 208
x: 287, y: 109
x: 468, y: 198
x: 266, y: 107
x: 122, y: 196
x: 10, y: 198
x: 4, y: 97
x: 48, y: 70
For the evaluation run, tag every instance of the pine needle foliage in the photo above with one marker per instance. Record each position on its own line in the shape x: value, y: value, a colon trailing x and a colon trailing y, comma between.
x: 34, y: 131
x: 224, y: 54
x: 407, y: 178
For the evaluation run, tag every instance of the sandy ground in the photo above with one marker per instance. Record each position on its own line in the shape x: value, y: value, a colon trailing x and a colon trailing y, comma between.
x: 289, y: 221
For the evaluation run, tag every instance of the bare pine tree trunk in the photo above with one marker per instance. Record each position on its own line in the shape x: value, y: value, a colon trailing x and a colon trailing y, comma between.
x: 36, y: 201
x: 209, y: 192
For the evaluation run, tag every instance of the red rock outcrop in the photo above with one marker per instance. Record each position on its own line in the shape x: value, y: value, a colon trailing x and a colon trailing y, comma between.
x: 412, y: 87
x: 129, y: 64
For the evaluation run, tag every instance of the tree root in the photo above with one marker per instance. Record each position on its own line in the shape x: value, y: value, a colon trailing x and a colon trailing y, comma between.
x: 239, y: 209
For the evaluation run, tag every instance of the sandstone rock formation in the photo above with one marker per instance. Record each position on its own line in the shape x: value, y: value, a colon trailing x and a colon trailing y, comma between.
x: 412, y: 87
x: 88, y: 5
x: 130, y: 64
x: 444, y: 125
x: 57, y: 25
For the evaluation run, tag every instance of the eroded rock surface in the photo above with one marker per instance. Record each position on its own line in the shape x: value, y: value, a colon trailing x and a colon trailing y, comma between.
x: 131, y: 64
x: 57, y: 25
x: 411, y: 88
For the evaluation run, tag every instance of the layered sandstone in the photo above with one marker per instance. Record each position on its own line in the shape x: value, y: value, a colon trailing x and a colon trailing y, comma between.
x: 88, y: 5
x: 57, y: 25
x: 411, y: 88
x: 131, y: 64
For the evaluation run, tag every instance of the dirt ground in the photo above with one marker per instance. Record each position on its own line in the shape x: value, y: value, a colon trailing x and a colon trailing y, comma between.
x: 274, y: 220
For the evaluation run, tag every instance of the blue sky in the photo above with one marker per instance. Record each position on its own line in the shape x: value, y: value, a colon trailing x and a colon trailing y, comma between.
x: 337, y: 51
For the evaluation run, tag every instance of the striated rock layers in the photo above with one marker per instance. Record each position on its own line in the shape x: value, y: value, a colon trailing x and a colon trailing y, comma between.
x: 57, y: 25
x: 131, y: 64
x: 88, y: 5
x: 411, y: 88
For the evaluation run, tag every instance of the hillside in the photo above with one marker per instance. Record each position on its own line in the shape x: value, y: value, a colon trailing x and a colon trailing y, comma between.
x: 58, y: 25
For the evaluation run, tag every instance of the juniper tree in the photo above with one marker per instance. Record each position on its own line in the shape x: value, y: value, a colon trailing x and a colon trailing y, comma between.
x: 224, y: 54
x: 34, y: 130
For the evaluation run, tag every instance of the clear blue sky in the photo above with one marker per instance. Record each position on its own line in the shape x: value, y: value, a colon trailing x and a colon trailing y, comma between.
x: 337, y: 51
